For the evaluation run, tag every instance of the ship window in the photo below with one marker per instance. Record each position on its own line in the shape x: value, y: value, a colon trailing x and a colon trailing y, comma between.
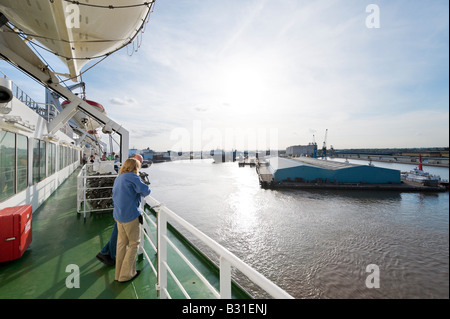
x: 64, y: 159
x: 22, y: 162
x: 38, y: 160
x: 67, y: 156
x: 43, y: 148
x: 13, y: 164
x: 51, y: 158
x: 64, y: 156
x: 7, y: 164
x: 61, y: 157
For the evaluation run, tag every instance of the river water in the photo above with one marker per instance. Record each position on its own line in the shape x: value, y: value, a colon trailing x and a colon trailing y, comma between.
x: 316, y: 244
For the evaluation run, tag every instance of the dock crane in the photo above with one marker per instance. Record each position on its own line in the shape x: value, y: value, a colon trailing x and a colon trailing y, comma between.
x: 324, y: 147
x: 314, y: 147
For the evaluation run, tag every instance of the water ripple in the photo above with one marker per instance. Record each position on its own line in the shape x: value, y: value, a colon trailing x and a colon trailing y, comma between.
x: 316, y: 244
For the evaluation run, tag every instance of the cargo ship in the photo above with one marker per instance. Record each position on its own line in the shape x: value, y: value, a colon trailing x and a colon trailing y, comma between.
x: 46, y: 182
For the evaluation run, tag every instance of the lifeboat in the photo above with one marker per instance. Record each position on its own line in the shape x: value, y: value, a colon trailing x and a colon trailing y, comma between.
x: 85, y: 121
x: 78, y: 31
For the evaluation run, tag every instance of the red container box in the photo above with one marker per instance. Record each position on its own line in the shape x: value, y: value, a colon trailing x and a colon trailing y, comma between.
x: 15, y: 231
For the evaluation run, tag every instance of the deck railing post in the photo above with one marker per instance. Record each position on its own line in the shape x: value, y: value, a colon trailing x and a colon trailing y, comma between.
x: 162, y: 253
x: 225, y: 279
x: 227, y: 259
x: 143, y: 227
x: 80, y: 189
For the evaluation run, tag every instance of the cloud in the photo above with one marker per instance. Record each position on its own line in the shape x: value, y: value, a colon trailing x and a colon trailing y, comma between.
x: 300, y: 66
x: 122, y: 101
x: 200, y: 109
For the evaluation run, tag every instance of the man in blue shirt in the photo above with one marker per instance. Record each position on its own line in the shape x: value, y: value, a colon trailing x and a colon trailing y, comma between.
x: 127, y: 192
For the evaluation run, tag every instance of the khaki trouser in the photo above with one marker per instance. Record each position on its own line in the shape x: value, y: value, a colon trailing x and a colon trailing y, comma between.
x: 128, y: 235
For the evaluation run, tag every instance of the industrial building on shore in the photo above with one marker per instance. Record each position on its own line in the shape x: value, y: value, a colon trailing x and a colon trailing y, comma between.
x: 304, y: 172
x: 302, y: 150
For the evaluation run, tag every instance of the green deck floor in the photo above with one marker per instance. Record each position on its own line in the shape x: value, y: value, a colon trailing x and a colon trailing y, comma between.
x: 62, y: 237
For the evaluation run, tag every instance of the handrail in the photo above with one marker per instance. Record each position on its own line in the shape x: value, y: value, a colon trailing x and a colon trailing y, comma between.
x: 48, y: 112
x: 227, y: 259
x: 145, y: 234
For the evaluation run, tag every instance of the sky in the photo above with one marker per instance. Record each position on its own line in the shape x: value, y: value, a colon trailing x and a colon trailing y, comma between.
x: 263, y: 74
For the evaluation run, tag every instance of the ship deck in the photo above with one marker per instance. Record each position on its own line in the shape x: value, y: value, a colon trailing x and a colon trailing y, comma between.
x: 62, y: 237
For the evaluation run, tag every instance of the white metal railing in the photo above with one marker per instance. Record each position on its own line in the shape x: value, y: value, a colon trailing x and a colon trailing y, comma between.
x: 145, y: 235
x: 47, y: 111
x: 227, y: 259
x: 162, y: 241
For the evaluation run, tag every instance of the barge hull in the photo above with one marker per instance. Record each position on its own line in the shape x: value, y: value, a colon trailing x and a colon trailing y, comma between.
x: 403, y: 187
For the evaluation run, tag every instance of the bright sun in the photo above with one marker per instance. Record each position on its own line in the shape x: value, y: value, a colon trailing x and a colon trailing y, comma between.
x: 243, y: 84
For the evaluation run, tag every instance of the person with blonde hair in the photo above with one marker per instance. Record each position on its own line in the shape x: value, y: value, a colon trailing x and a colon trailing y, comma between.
x: 127, y: 192
x: 107, y: 254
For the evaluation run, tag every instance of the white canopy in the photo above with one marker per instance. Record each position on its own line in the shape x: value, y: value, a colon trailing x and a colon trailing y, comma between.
x: 78, y: 31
